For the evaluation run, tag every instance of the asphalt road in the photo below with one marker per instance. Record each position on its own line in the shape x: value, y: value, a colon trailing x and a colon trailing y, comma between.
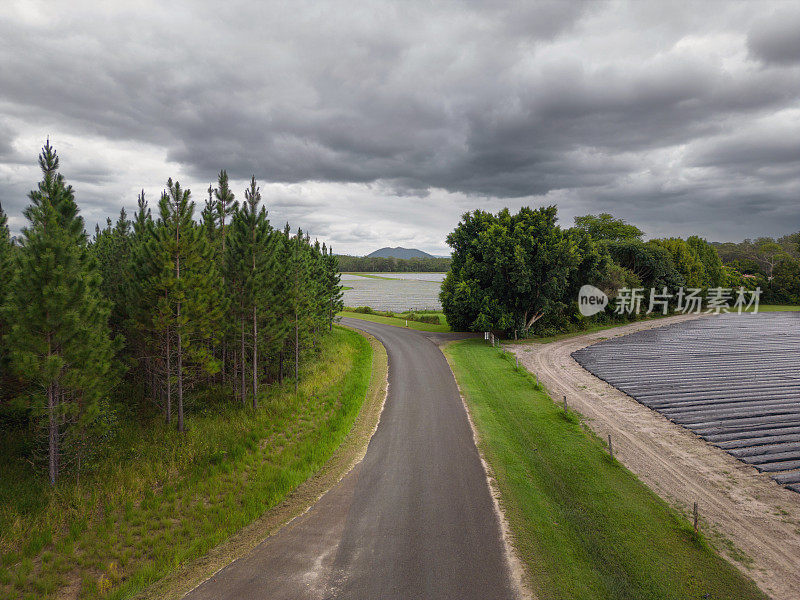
x: 414, y: 519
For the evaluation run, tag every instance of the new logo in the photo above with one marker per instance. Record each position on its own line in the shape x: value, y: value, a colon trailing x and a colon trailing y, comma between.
x: 591, y: 300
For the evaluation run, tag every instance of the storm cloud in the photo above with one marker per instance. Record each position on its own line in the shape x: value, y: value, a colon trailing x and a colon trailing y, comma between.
x: 380, y: 123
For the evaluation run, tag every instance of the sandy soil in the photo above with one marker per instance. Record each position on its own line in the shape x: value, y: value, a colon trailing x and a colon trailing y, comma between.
x: 742, y: 511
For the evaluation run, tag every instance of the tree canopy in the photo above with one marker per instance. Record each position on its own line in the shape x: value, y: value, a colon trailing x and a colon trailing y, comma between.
x: 160, y: 312
x: 605, y: 227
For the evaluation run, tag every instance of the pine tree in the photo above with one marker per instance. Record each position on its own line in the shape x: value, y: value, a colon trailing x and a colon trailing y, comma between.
x: 226, y: 204
x: 112, y: 249
x: 143, y: 350
x: 188, y: 305
x: 298, y: 293
x: 250, y: 262
x: 6, y: 274
x: 332, y: 285
x: 225, y: 207
x: 59, y: 340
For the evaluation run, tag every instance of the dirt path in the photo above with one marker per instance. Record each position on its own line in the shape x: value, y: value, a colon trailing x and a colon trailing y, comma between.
x: 758, y: 517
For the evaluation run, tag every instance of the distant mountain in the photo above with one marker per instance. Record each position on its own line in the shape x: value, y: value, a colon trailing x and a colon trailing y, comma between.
x: 399, y: 253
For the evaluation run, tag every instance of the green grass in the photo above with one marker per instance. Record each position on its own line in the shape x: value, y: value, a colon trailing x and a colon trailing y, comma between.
x: 158, y: 499
x: 584, y: 526
x: 400, y: 322
x: 777, y: 308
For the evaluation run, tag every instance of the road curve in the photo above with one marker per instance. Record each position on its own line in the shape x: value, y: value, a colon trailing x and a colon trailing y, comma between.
x: 414, y: 519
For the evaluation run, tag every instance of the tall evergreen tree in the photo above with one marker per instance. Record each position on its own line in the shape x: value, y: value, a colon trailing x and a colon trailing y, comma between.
x: 6, y: 273
x: 188, y: 304
x: 143, y: 349
x: 59, y: 340
x: 225, y: 206
x: 332, y: 285
x: 298, y: 293
x: 112, y: 248
x: 250, y: 259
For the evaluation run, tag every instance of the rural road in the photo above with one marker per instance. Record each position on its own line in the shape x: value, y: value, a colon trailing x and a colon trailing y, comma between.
x: 415, y: 519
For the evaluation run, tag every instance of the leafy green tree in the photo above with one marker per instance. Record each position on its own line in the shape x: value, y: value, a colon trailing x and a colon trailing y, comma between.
x: 784, y: 287
x: 768, y: 254
x: 507, y: 271
x: 649, y: 262
x: 606, y: 227
x: 686, y: 262
x: 59, y: 340
x: 747, y: 266
x: 709, y: 257
x: 593, y: 267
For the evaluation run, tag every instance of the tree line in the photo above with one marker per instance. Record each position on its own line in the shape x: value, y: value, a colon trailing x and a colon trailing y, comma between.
x: 521, y: 273
x: 380, y: 264
x: 151, y: 311
x: 772, y: 264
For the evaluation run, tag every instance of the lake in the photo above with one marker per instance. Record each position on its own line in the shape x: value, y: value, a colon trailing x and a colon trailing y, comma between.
x: 393, y: 291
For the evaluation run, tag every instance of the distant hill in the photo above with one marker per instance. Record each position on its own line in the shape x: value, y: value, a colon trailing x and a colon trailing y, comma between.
x: 399, y: 253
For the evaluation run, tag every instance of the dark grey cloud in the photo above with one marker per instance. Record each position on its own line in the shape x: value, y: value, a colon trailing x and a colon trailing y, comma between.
x: 774, y: 38
x: 381, y: 123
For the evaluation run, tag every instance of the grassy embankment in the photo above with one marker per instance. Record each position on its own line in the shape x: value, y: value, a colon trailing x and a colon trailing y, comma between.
x: 584, y: 526
x: 400, y: 319
x: 158, y: 499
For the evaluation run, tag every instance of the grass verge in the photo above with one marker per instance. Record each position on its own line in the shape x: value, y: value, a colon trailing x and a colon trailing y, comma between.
x: 400, y: 322
x: 583, y: 525
x: 159, y: 499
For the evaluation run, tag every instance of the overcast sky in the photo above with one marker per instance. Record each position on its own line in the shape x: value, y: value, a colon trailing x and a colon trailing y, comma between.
x: 380, y: 123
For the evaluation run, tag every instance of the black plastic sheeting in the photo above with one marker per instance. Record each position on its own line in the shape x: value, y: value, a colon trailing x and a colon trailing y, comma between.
x: 732, y: 379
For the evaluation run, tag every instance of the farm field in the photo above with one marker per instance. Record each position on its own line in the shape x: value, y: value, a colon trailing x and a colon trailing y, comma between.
x: 393, y: 291
x: 733, y: 380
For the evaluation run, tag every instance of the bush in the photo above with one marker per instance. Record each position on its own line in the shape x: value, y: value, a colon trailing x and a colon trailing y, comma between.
x: 431, y: 319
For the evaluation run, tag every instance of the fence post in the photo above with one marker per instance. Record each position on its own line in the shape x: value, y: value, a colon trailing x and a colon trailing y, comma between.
x: 610, y: 447
x: 696, y: 517
x: 565, y: 404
